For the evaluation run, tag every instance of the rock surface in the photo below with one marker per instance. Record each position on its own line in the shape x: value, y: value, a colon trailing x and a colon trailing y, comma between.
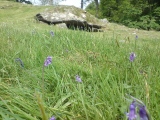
x: 73, y: 17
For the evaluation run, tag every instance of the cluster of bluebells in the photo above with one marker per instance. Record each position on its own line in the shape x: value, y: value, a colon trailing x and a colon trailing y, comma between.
x: 47, y: 62
x: 137, y: 111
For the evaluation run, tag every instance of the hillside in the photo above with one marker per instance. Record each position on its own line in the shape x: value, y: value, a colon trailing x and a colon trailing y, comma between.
x: 51, y: 73
x: 17, y: 12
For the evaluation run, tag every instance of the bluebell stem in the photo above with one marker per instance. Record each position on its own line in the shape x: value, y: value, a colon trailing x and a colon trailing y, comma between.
x: 136, y: 37
x: 52, y: 33
x: 78, y: 79
x: 20, y: 61
x: 46, y: 63
x: 52, y: 118
x: 132, y: 113
x: 132, y: 56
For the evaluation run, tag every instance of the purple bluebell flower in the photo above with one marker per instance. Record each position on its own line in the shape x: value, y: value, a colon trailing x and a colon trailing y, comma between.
x: 78, y: 79
x: 143, y: 113
x: 132, y: 113
x: 48, y: 61
x: 20, y: 61
x: 132, y: 56
x: 52, y: 118
x: 52, y: 33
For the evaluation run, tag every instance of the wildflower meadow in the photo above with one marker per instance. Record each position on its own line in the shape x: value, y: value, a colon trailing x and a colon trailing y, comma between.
x: 48, y: 73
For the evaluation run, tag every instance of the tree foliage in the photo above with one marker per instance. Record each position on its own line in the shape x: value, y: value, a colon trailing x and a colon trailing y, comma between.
x: 93, y: 7
x: 144, y: 14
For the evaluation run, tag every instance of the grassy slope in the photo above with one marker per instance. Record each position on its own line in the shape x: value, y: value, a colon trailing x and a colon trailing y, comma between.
x: 101, y: 60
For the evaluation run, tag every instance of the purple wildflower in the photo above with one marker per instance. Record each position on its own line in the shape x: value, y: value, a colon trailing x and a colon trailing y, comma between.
x: 48, y: 61
x: 52, y: 33
x: 132, y: 113
x: 132, y: 57
x: 142, y: 110
x: 78, y: 79
x: 52, y: 118
x: 143, y: 113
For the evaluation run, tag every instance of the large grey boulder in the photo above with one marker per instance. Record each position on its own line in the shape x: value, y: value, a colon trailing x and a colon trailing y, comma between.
x: 73, y: 18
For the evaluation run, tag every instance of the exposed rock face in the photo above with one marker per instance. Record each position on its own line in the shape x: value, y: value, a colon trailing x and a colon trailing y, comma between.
x: 73, y: 18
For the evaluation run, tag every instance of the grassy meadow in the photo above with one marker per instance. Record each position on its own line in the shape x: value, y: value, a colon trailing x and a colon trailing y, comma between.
x: 29, y: 92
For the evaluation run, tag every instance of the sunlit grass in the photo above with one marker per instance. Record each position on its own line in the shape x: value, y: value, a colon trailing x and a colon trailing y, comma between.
x: 100, y: 59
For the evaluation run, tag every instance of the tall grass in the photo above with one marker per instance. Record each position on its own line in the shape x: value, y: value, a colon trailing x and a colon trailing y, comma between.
x: 103, y: 65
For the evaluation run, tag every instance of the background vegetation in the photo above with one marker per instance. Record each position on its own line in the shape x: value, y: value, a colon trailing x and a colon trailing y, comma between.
x: 141, y: 14
x: 100, y: 59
